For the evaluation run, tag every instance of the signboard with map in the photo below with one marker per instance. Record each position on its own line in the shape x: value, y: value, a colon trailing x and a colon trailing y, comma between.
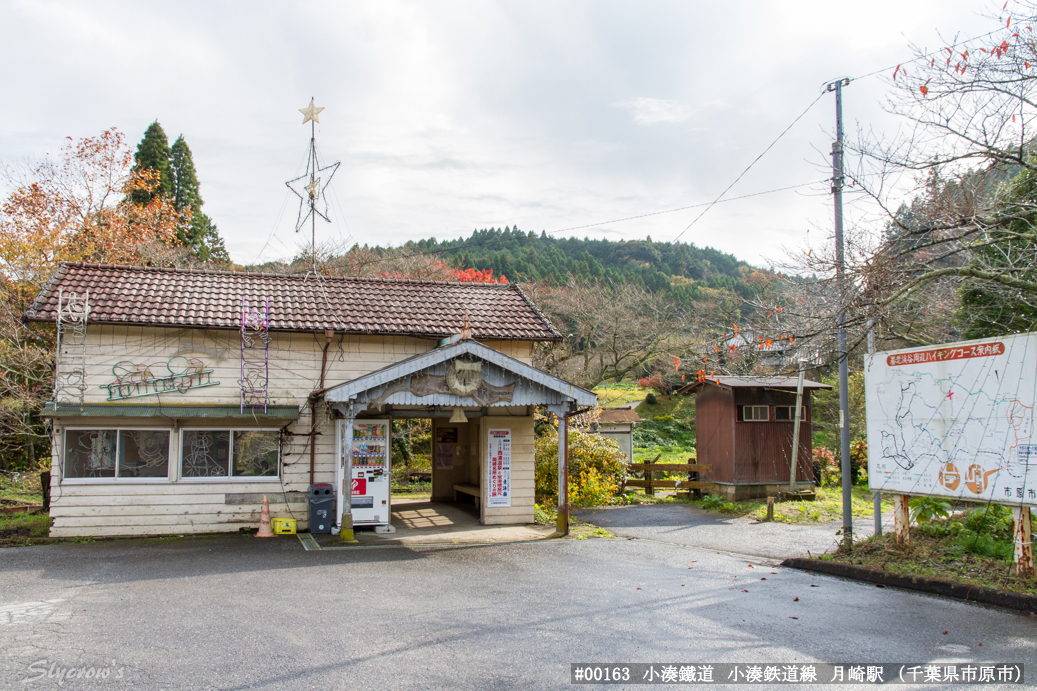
x: 955, y: 420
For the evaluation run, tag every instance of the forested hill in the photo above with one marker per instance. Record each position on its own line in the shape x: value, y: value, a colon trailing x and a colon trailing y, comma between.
x: 522, y: 256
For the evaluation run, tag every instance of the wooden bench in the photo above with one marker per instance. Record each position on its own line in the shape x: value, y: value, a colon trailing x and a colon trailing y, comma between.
x: 471, y: 490
x: 467, y: 488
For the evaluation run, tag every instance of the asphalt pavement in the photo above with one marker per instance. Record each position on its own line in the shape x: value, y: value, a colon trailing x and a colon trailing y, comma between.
x: 244, y: 613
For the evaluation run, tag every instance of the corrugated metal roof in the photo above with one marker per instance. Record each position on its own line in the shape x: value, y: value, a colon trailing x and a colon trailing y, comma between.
x: 173, y: 412
x: 147, y: 296
x: 614, y: 415
x: 751, y: 382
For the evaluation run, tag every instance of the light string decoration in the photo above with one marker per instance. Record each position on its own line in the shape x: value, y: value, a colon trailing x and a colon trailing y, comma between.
x: 255, y: 356
x: 310, y: 186
x: 70, y: 359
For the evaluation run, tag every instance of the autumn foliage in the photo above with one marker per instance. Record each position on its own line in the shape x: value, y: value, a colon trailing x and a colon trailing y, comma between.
x: 75, y: 207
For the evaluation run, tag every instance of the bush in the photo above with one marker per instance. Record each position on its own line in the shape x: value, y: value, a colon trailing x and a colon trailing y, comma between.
x: 597, y: 468
x: 826, y: 470
x: 927, y: 509
x: 655, y: 383
x: 650, y: 399
x: 713, y: 502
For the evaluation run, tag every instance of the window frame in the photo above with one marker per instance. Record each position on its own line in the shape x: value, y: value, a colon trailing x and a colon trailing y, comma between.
x: 765, y: 407
x: 792, y: 413
x: 230, y: 477
x: 116, y: 480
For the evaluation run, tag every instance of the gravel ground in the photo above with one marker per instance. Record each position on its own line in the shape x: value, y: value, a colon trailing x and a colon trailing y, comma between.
x: 689, y: 525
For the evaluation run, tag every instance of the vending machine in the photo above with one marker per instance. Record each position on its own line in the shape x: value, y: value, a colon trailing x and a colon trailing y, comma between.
x: 371, y: 481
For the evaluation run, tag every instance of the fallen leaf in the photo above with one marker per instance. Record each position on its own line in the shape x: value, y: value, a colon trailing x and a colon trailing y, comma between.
x: 980, y: 645
x: 763, y: 579
x: 638, y: 588
x: 945, y: 632
x: 793, y: 617
x: 751, y: 566
x: 812, y: 585
x: 795, y: 599
x: 744, y: 591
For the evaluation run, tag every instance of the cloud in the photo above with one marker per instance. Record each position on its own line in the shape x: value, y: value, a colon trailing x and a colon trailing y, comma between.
x: 649, y: 111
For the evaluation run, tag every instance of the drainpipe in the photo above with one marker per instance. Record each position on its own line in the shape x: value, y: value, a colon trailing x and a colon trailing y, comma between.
x: 314, y: 396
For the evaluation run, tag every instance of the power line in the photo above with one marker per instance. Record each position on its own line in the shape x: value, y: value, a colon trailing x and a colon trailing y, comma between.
x: 685, y: 208
x: 748, y: 168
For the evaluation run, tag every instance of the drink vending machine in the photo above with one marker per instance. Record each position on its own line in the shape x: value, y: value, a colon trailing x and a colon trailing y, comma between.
x: 371, y: 481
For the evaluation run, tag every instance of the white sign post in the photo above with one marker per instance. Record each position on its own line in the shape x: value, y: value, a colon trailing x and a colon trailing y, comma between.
x: 956, y: 421
x: 498, y: 490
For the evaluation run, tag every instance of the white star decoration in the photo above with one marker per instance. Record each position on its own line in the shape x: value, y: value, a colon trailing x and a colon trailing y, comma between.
x: 310, y: 112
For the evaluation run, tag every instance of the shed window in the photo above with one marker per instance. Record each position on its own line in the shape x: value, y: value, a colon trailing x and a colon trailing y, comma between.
x: 207, y: 454
x: 109, y: 454
x: 788, y: 413
x: 755, y: 413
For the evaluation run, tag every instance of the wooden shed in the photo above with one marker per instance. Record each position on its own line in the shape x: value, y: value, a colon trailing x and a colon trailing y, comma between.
x: 618, y: 424
x: 744, y: 428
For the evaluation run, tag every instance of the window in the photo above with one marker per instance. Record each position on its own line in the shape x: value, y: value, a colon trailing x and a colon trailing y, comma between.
x: 228, y: 454
x: 755, y: 413
x: 787, y: 413
x: 110, y: 454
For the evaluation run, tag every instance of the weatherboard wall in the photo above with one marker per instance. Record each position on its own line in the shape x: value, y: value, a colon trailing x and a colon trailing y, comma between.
x: 175, y: 506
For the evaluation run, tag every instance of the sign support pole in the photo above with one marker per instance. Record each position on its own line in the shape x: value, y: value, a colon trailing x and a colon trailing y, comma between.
x: 902, y: 518
x: 1022, y: 533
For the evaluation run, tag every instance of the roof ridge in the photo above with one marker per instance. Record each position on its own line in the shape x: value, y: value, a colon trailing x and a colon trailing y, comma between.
x: 293, y: 276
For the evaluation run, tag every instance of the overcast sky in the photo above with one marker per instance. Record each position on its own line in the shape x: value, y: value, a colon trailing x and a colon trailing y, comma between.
x: 451, y: 116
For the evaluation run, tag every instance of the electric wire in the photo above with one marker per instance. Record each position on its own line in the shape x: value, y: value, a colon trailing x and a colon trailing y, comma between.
x: 748, y: 168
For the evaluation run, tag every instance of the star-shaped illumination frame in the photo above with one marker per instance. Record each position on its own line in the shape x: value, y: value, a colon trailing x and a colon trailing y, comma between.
x: 309, y: 188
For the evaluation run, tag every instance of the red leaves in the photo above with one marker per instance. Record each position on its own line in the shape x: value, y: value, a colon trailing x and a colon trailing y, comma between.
x: 476, y: 276
x: 676, y: 366
x: 895, y: 72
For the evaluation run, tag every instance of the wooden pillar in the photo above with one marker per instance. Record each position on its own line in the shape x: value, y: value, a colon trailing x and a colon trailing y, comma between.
x: 1023, y: 535
x: 902, y: 518
x: 562, y: 522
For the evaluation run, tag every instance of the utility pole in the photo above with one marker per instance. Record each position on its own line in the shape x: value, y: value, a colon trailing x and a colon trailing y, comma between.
x: 878, y: 495
x: 840, y: 280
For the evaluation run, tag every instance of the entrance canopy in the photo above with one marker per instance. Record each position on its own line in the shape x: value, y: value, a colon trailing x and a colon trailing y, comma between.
x: 464, y: 374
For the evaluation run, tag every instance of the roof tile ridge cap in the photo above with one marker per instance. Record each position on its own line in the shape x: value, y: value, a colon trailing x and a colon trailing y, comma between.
x: 48, y: 287
x: 536, y: 310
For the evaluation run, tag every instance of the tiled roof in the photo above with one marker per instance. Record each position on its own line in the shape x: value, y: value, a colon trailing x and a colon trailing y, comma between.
x: 144, y: 296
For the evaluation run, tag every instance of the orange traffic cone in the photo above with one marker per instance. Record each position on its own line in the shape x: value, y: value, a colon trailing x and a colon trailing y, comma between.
x: 264, y: 520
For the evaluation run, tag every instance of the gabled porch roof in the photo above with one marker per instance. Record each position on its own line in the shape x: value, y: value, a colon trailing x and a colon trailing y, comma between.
x: 510, y: 382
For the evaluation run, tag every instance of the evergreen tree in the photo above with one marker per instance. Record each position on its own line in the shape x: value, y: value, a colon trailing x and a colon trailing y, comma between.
x: 153, y: 154
x: 184, y: 180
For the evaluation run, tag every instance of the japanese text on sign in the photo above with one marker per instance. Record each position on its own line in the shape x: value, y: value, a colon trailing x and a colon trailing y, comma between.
x: 941, y: 354
x: 498, y: 476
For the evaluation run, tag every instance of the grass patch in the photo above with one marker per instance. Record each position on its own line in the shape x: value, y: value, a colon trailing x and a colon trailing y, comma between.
x: 612, y: 395
x: 828, y: 506
x: 24, y: 529
x: 679, y: 407
x: 960, y: 549
x: 20, y: 488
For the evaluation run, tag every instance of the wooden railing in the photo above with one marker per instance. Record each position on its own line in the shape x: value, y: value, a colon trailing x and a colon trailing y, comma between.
x: 650, y: 484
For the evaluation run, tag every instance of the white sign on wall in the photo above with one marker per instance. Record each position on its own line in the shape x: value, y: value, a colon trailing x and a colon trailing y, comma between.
x: 498, y: 474
x: 955, y: 420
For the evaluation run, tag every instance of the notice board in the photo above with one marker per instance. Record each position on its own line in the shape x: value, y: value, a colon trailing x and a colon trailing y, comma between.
x: 955, y: 420
x: 498, y: 476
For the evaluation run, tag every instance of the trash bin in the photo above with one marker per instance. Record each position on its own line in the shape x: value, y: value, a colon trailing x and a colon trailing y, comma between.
x: 322, y: 507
